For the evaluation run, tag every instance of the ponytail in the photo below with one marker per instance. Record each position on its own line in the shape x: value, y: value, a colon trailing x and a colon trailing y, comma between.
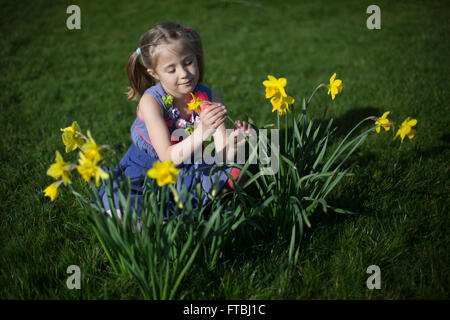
x: 140, y: 80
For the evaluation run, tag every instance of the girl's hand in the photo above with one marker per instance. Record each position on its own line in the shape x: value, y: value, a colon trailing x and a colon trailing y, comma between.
x: 241, y: 130
x: 213, y: 116
x: 244, y: 126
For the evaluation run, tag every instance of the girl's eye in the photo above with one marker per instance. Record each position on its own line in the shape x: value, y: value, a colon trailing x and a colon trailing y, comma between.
x: 188, y: 62
x: 171, y: 70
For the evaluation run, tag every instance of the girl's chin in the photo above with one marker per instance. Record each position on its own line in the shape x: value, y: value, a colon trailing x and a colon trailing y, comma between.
x: 184, y: 89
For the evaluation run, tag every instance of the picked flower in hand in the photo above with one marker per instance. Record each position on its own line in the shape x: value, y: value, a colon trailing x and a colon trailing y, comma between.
x: 199, y: 102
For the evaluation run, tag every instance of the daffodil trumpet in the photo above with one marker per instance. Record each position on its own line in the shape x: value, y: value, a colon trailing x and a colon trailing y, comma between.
x: 102, y: 146
x: 390, y: 124
x: 380, y: 124
x: 52, y: 191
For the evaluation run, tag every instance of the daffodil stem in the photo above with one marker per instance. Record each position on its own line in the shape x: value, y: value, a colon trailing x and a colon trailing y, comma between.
x: 279, y: 171
x: 314, y: 92
x: 278, y: 120
x: 231, y: 120
x: 293, y: 124
x: 163, y: 203
x: 285, y: 133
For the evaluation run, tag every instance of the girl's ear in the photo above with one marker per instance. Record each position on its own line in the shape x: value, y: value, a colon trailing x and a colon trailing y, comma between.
x: 152, y: 73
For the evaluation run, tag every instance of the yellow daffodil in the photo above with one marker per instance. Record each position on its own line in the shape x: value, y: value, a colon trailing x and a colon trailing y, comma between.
x: 52, y: 191
x: 71, y: 138
x: 335, y: 86
x: 275, y: 86
x: 406, y: 129
x: 91, y: 150
x: 164, y: 172
x: 60, y: 169
x: 381, y: 121
x: 199, y: 101
x: 89, y: 169
x: 194, y: 104
x: 281, y: 103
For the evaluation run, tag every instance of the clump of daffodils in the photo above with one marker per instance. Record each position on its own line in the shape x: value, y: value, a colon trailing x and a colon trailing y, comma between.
x: 88, y: 162
x: 276, y: 92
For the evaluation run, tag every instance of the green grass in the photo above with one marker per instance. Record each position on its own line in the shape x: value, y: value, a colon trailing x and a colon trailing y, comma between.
x: 51, y: 76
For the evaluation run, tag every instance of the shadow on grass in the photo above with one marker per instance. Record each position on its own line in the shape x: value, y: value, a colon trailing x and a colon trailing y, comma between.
x: 433, y: 151
x: 352, y: 117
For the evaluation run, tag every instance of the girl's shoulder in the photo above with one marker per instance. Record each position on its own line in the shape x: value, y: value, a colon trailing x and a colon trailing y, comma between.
x: 157, y: 93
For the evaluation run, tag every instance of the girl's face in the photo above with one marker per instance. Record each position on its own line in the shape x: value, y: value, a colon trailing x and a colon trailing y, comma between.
x: 176, y: 68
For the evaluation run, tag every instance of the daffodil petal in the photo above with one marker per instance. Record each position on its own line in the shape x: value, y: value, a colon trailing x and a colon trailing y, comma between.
x: 332, y: 78
x: 385, y: 115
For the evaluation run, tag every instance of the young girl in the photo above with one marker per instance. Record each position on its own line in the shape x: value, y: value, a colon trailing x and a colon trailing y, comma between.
x: 171, y: 70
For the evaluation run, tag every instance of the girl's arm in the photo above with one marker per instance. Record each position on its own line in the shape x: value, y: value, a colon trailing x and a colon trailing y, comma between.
x: 158, y: 132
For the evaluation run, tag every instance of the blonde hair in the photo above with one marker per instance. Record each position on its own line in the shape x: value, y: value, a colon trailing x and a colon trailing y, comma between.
x: 162, y: 33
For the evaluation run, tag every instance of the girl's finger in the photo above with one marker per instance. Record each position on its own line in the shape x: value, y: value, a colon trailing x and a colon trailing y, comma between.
x: 218, y: 122
x: 212, y: 109
x: 218, y: 116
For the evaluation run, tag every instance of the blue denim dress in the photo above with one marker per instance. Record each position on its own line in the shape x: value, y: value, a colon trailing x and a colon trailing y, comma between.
x: 141, y: 155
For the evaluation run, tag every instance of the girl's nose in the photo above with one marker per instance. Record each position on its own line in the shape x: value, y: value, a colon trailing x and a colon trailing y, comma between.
x: 183, y: 72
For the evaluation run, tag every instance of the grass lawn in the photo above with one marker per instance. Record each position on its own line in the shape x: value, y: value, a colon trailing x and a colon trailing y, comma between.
x: 51, y: 76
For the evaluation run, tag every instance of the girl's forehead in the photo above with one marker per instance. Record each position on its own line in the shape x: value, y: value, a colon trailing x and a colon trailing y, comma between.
x: 171, y: 51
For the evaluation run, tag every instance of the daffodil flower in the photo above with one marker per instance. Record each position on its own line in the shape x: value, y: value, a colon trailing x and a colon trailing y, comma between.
x: 164, y: 172
x: 198, y: 102
x: 335, y: 86
x: 88, y: 169
x: 382, y: 122
x: 52, y: 191
x: 91, y: 150
x: 281, y: 103
x: 194, y: 104
x: 406, y: 129
x: 60, y: 169
x: 71, y: 137
x: 275, y: 86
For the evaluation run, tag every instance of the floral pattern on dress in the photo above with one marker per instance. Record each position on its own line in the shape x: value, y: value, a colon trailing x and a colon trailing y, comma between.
x: 174, y: 114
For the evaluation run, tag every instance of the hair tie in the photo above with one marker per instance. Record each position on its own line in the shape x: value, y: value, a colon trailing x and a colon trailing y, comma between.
x: 138, y: 51
x: 187, y: 29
